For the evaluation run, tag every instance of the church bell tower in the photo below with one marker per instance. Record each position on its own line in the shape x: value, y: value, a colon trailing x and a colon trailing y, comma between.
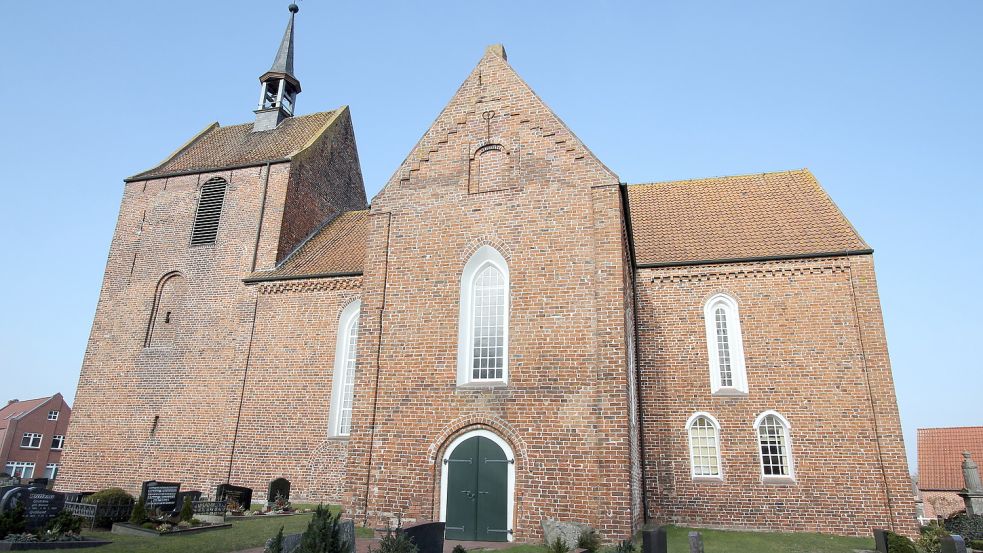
x: 279, y: 87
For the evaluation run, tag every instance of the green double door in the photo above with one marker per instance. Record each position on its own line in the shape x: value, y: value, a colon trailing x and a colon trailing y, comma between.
x: 477, y: 492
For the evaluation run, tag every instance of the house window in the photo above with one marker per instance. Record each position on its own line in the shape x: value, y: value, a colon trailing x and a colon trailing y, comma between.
x: 51, y: 471
x: 20, y: 470
x: 483, y: 329
x: 775, y: 445
x: 209, y: 212
x: 725, y: 346
x: 343, y: 384
x: 704, y: 446
x: 31, y: 440
x: 52, y: 415
x: 57, y: 442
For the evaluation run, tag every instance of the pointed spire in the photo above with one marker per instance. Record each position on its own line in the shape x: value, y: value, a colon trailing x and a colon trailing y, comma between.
x: 283, y: 64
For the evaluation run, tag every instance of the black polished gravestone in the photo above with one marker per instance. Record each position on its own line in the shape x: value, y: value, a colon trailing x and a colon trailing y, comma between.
x: 428, y: 536
x: 193, y: 495
x: 880, y: 540
x: 11, y: 496
x: 160, y: 495
x: 240, y: 494
x: 41, y: 505
x: 654, y: 541
x: 279, y: 487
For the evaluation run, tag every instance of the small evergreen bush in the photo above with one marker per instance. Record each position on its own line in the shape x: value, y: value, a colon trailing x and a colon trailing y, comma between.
x: 109, y: 496
x: 12, y: 521
x: 970, y: 527
x: 459, y: 549
x: 186, y: 512
x: 275, y: 544
x: 931, y: 539
x: 395, y: 542
x: 896, y: 543
x: 323, y: 534
x: 64, y: 523
x: 589, y: 540
x: 139, y: 514
x: 557, y: 546
x: 626, y: 546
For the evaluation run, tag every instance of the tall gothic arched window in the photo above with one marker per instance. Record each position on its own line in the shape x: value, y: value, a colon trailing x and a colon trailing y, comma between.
x: 725, y: 346
x: 343, y: 384
x: 484, y: 319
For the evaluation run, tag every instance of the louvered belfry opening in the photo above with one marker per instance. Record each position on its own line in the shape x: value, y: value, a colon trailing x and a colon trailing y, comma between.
x: 209, y: 212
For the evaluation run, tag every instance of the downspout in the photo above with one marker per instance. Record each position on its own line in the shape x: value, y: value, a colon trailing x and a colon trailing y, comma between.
x: 626, y: 213
x: 242, y: 392
x: 262, y: 211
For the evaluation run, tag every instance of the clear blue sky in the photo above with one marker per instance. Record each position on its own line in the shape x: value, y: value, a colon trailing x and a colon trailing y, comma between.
x: 881, y: 100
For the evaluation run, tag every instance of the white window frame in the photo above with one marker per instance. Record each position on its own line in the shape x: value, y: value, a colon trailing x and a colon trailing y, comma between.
x: 24, y: 467
x: 349, y: 316
x: 787, y: 427
x: 60, y: 440
x: 689, y: 442
x: 34, y: 438
x: 52, y: 415
x: 483, y: 257
x: 53, y: 468
x: 735, y: 342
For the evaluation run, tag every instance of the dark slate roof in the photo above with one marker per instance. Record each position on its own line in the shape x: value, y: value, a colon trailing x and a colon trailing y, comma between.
x: 338, y: 249
x: 222, y: 147
x: 940, y: 459
x: 768, y: 215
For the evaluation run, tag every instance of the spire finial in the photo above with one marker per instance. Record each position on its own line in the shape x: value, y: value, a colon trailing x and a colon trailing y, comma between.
x: 293, y: 8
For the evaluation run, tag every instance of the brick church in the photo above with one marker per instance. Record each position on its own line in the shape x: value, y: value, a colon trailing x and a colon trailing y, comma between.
x: 506, y: 333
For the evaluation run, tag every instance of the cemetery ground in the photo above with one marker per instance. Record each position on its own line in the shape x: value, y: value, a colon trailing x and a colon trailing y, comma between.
x: 252, y: 532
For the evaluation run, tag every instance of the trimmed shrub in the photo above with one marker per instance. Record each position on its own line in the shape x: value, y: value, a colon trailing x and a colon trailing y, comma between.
x: 12, y: 521
x: 975, y: 544
x: 323, y: 534
x: 395, y: 542
x: 896, y: 543
x: 109, y: 496
x: 64, y: 523
x: 970, y: 527
x: 139, y: 514
x: 626, y: 546
x: 459, y: 549
x: 275, y: 544
x: 186, y: 512
x: 557, y: 546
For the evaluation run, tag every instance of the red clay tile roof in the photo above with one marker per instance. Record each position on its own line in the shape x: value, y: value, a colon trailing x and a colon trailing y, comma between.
x: 940, y: 457
x: 740, y: 217
x: 337, y: 249
x: 18, y: 409
x: 217, y: 147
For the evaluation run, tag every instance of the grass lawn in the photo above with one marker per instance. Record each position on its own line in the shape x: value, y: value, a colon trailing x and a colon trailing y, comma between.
x: 720, y: 541
x: 244, y: 534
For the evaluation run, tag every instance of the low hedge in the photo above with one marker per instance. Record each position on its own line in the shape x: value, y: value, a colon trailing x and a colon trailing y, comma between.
x: 970, y: 527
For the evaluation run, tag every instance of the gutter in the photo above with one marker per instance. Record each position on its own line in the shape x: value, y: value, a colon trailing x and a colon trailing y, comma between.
x: 784, y: 257
x: 142, y: 176
x: 277, y: 278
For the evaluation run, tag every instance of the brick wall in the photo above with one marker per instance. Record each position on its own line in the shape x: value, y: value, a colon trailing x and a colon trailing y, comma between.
x: 554, y: 214
x: 815, y: 352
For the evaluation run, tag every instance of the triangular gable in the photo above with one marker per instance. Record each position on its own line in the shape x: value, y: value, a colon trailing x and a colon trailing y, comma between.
x: 495, y: 99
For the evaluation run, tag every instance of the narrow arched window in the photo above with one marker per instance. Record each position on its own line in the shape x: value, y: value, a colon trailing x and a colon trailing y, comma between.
x: 483, y: 330
x: 343, y: 385
x: 209, y: 212
x: 167, y: 314
x: 725, y: 346
x: 774, y: 445
x: 704, y: 446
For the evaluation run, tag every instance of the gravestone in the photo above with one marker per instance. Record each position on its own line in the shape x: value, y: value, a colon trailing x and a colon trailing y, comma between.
x: 39, y: 482
x: 568, y: 532
x: 347, y: 535
x: 654, y: 541
x: 428, y: 536
x: 240, y: 494
x: 880, y: 540
x: 11, y: 496
x: 695, y: 542
x: 953, y: 544
x: 160, y: 495
x: 42, y: 505
x: 280, y: 486
x: 77, y: 497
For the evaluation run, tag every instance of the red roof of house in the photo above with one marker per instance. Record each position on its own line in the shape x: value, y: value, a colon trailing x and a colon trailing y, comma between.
x: 940, y: 456
x: 17, y: 409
